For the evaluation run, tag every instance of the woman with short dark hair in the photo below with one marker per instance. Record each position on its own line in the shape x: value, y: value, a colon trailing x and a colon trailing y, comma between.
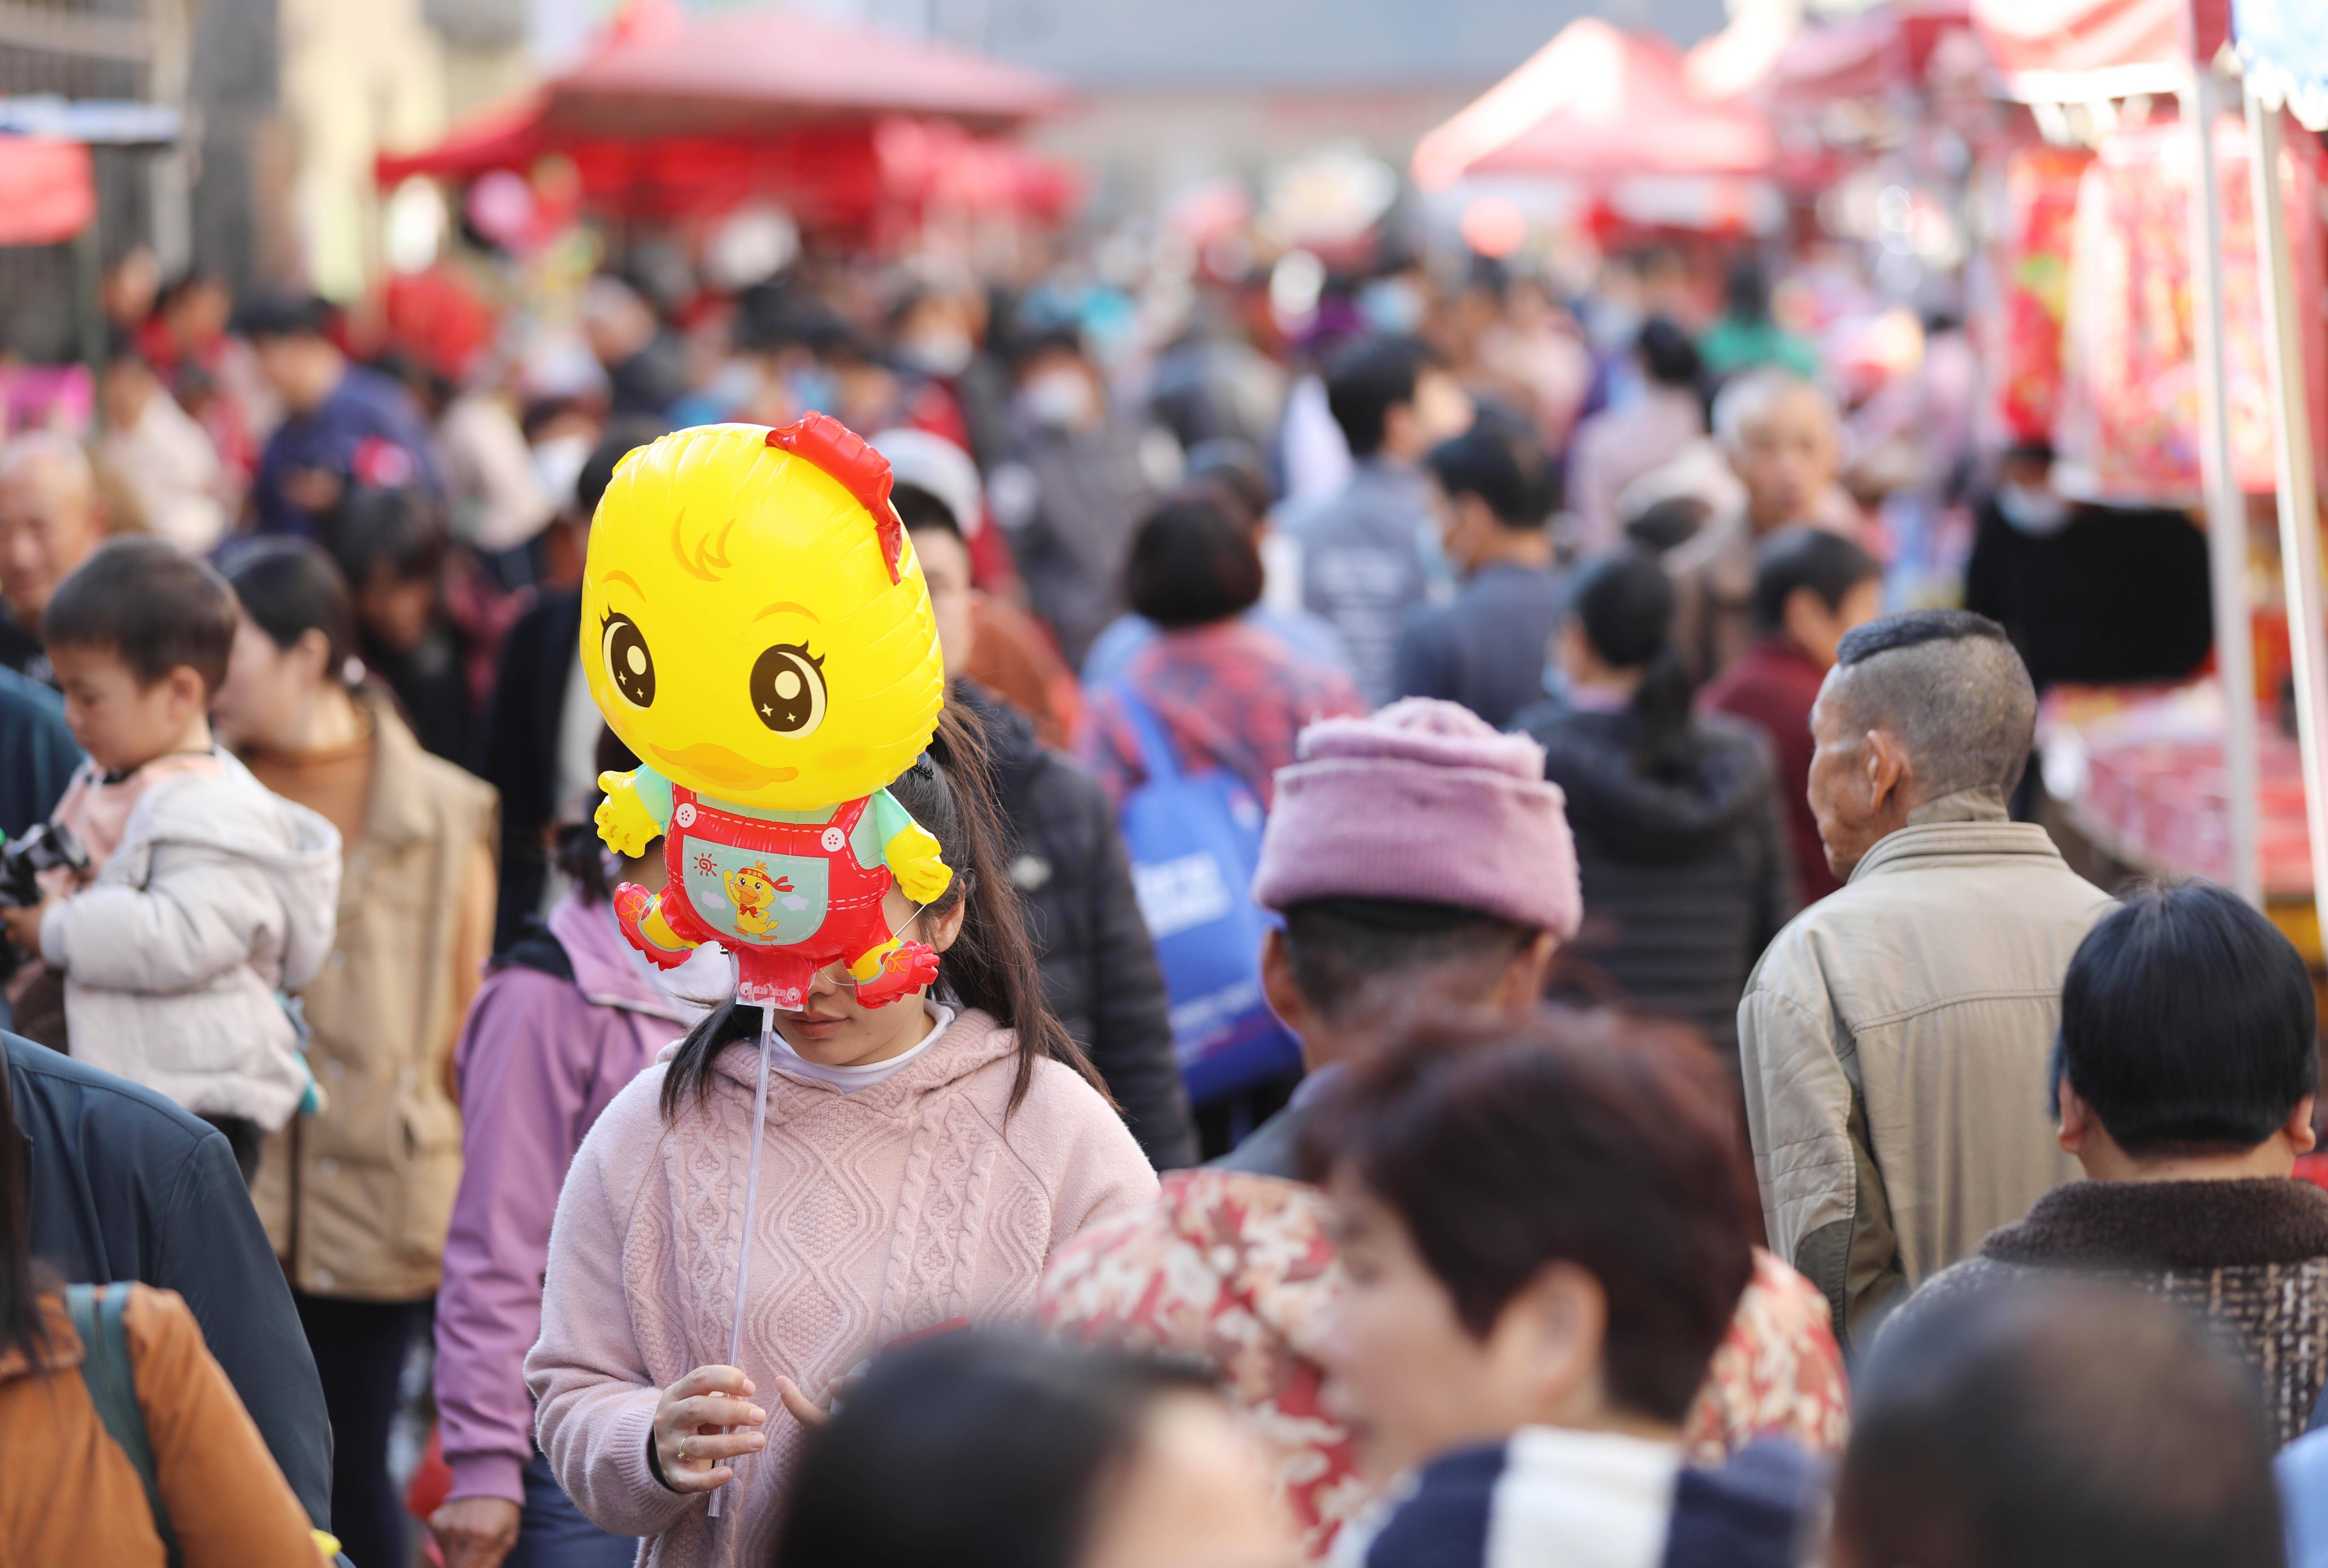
x: 1546, y: 1231
x: 2185, y: 1073
x: 1224, y: 692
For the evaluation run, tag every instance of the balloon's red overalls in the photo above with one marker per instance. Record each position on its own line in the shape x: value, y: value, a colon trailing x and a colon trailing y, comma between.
x: 787, y: 898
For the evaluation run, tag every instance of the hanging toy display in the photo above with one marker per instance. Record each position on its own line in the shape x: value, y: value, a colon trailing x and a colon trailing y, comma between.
x: 757, y: 629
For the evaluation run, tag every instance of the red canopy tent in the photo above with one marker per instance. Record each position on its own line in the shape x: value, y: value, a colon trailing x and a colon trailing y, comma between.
x: 1875, y: 52
x: 1596, y: 102
x: 2103, y: 39
x: 671, y: 115
x: 754, y: 68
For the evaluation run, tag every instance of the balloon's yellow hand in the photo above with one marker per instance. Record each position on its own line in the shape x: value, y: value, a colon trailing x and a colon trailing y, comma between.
x: 622, y: 818
x: 918, y: 863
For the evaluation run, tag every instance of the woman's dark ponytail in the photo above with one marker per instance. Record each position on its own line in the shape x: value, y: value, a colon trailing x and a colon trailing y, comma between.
x: 991, y: 964
x: 1625, y: 604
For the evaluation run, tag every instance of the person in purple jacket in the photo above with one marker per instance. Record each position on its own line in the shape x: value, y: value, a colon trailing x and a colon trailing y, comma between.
x: 567, y: 1016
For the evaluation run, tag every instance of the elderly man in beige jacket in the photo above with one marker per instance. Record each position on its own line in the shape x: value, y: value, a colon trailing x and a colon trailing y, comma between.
x: 1895, y: 1038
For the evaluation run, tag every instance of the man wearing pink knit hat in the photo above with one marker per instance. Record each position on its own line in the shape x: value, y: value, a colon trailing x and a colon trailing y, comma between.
x: 1424, y: 870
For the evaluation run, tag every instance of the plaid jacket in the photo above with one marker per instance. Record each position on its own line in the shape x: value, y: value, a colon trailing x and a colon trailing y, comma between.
x: 1230, y: 694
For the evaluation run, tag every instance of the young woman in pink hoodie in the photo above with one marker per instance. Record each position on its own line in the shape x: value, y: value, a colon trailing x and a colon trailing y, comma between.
x: 921, y: 1164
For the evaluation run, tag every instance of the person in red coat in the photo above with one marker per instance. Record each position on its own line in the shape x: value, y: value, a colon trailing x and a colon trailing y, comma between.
x: 1810, y: 587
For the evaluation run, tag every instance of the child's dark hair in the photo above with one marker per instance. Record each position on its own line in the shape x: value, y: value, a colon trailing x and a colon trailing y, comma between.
x: 981, y: 1449
x: 399, y: 530
x: 289, y: 587
x: 990, y: 965
x: 1827, y: 564
x: 154, y: 605
x: 1624, y: 605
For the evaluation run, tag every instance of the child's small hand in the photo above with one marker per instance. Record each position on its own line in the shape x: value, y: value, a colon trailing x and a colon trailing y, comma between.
x: 23, y: 923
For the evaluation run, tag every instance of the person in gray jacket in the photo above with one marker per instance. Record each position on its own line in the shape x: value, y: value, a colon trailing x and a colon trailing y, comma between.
x: 1366, y: 555
x: 1895, y: 1040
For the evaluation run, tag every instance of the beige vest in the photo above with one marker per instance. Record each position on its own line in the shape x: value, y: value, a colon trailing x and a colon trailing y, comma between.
x: 356, y: 1199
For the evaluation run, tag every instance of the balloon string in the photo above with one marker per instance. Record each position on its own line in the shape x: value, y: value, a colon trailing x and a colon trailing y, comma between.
x: 751, y: 1209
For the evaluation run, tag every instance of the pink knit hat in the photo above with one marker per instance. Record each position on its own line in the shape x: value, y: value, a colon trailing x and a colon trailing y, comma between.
x: 1422, y: 802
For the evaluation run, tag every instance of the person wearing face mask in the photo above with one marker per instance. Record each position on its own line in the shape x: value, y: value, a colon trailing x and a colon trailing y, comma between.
x: 1366, y: 555
x: 1081, y: 479
x: 2090, y: 593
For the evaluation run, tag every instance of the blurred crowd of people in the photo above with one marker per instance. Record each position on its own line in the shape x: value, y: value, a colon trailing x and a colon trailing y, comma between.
x: 1665, y: 1103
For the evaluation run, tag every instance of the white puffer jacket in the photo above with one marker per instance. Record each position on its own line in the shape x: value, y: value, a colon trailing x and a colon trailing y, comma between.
x: 222, y: 896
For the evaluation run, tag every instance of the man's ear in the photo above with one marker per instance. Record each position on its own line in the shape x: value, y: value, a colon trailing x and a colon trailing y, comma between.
x: 1283, y: 992
x: 1398, y: 427
x: 2298, y: 1126
x: 1890, y: 772
x: 1518, y: 991
x: 2077, y: 1117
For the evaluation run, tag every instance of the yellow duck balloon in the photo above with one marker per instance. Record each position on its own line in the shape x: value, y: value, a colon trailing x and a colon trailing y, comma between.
x: 755, y: 628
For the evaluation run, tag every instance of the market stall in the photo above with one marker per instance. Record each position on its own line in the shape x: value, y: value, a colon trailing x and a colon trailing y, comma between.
x: 1599, y: 102
x: 2171, y: 289
x: 669, y: 115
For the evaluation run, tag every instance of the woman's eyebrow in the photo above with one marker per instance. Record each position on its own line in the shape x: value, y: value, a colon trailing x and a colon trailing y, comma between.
x: 780, y: 606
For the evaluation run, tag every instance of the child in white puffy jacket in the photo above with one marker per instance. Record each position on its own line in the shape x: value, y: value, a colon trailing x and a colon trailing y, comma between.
x: 212, y: 900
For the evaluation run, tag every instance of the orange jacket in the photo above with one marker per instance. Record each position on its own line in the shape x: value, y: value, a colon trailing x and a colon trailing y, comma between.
x: 69, y: 1497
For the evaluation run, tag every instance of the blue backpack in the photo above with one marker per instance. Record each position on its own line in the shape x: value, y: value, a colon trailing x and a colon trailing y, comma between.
x: 1195, y: 840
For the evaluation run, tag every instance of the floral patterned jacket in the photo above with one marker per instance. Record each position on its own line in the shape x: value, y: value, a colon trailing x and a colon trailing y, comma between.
x: 1240, y: 1268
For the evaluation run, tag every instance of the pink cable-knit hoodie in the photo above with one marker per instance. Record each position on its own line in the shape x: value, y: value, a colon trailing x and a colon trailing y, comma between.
x: 882, y: 1212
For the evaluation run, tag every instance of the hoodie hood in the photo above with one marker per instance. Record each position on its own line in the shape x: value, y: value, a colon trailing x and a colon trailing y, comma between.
x: 1644, y: 820
x: 602, y: 964
x: 233, y: 814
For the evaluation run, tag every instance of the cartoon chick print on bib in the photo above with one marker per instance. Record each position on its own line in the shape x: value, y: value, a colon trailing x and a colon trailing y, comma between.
x: 755, y: 628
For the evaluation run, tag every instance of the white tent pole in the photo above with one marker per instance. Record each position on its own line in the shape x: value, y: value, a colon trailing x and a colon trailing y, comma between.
x: 2227, y: 513
x: 2299, y: 499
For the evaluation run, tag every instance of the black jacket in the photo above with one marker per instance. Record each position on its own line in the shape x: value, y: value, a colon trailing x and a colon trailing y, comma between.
x: 1066, y: 859
x: 1686, y: 879
x: 518, y: 753
x: 124, y: 1186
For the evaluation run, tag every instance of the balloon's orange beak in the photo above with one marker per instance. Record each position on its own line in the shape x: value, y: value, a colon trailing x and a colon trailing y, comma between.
x: 718, y: 764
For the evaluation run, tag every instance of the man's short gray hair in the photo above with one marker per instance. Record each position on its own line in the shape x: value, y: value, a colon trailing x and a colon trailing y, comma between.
x: 1950, y: 686
x: 1752, y: 395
